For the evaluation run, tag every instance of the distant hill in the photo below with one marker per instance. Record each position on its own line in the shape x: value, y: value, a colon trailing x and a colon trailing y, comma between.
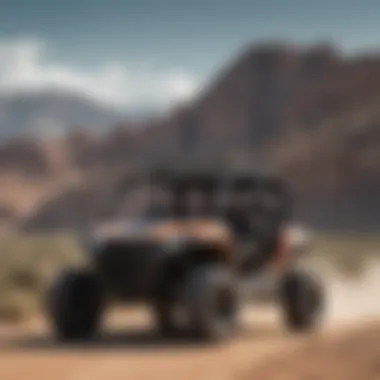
x: 54, y: 112
x: 311, y: 113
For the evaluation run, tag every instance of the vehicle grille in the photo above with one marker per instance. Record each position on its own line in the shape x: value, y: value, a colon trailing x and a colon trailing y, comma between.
x: 128, y: 267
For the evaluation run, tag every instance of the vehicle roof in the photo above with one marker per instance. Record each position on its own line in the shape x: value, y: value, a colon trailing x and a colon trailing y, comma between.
x: 211, y: 176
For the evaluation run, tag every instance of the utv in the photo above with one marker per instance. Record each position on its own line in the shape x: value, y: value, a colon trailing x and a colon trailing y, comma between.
x: 206, y: 244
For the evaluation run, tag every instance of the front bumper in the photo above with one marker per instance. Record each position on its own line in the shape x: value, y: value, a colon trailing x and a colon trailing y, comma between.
x: 129, y: 269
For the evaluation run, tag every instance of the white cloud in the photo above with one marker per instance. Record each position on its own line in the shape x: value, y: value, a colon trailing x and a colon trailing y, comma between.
x: 24, y: 67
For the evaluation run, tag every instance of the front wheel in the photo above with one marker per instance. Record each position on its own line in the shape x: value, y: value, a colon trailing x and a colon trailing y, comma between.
x: 212, y: 302
x: 74, y: 305
x: 302, y: 301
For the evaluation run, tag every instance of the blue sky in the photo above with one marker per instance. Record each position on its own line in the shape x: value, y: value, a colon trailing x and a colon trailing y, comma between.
x: 155, y: 40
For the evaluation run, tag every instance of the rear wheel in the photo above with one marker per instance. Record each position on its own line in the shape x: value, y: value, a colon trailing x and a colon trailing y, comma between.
x: 301, y: 297
x: 75, y: 304
x: 211, y: 302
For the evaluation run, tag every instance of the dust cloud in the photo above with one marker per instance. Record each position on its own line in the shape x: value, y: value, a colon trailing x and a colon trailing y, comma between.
x: 354, y: 297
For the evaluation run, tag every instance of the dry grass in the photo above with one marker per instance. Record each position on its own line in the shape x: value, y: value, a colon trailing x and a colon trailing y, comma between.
x: 27, y: 266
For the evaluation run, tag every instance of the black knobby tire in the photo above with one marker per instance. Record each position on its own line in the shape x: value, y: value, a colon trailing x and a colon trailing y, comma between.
x: 302, y: 301
x: 212, y: 303
x: 74, y: 305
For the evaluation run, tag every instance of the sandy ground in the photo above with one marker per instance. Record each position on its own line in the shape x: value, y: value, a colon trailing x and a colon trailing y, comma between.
x: 349, y: 355
x: 346, y: 348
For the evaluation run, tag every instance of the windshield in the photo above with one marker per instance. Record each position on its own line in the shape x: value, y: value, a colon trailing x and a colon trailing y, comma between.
x: 179, y: 202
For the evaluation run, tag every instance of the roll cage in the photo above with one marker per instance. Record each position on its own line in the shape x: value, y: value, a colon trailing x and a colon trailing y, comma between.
x: 215, y: 192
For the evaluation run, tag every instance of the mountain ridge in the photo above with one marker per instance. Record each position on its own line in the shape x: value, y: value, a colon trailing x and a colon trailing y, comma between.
x: 310, y: 112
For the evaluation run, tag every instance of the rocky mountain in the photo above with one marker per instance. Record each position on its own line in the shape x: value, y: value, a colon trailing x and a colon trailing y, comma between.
x: 310, y: 113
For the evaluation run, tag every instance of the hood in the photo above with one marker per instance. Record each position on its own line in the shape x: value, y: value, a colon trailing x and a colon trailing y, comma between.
x: 164, y: 230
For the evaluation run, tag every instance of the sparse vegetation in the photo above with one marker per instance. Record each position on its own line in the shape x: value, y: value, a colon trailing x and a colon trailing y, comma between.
x: 27, y: 265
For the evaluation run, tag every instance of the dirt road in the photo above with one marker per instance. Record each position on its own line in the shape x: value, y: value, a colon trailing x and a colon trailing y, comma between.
x: 262, y: 351
x: 353, y: 355
x: 129, y: 351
